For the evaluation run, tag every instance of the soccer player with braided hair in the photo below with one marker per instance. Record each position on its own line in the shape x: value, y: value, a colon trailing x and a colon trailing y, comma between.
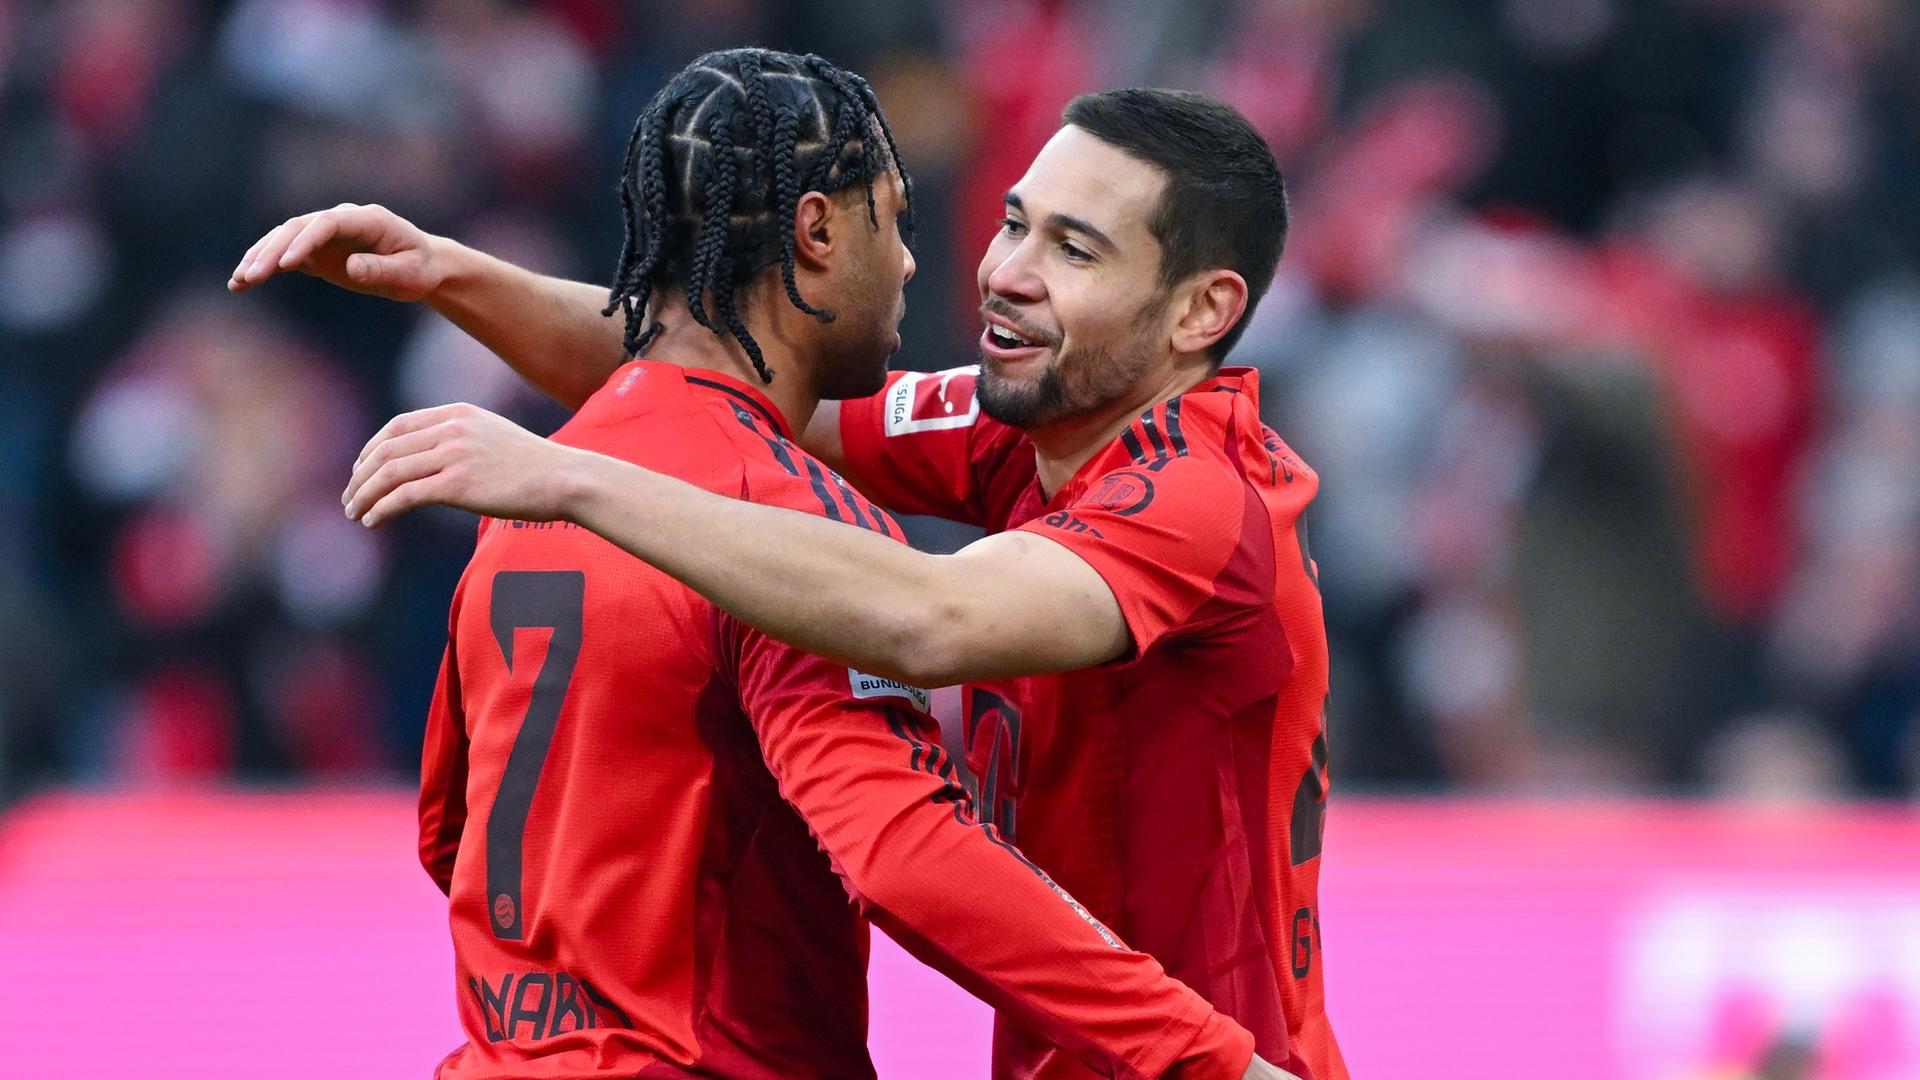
x: 648, y: 816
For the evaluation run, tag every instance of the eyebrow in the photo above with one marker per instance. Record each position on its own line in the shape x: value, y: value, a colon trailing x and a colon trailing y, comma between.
x: 1069, y: 222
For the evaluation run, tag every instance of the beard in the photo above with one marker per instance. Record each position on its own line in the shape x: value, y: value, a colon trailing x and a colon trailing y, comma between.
x: 1073, y: 384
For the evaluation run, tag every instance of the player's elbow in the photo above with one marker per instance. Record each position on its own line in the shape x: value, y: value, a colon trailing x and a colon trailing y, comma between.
x: 884, y: 875
x: 930, y: 646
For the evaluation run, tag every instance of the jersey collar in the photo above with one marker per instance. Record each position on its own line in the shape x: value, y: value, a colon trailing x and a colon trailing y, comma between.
x: 704, y: 381
x: 1235, y: 380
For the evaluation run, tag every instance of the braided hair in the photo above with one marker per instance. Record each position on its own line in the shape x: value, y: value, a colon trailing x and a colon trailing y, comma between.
x: 713, y: 176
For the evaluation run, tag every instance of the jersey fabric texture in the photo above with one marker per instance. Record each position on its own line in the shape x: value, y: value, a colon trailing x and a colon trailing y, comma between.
x: 658, y: 829
x: 1179, y: 793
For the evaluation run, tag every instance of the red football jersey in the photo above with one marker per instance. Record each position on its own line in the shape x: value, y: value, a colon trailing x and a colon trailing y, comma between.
x: 1180, y: 793
x: 650, y: 819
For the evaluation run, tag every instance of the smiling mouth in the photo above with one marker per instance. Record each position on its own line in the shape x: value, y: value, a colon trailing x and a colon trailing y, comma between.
x: 1006, y: 339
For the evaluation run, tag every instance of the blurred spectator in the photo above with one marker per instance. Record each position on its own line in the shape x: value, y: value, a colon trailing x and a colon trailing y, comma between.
x: 213, y: 449
x: 1784, y: 759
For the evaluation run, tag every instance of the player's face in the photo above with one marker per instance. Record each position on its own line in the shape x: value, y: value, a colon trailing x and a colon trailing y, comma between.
x: 1069, y: 288
x: 871, y: 295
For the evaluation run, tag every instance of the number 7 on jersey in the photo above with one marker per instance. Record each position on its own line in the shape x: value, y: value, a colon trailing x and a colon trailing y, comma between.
x: 528, y: 599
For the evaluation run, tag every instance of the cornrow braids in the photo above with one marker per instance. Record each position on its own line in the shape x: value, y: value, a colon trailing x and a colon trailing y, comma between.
x: 754, y: 78
x: 857, y: 89
x: 712, y: 178
x: 787, y: 197
x: 646, y: 217
x: 722, y: 172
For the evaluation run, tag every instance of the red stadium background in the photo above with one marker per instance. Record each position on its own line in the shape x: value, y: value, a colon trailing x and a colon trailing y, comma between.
x: 1600, y: 320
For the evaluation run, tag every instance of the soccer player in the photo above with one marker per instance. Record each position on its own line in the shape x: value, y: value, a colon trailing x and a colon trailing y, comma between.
x: 1143, y: 633
x: 638, y: 805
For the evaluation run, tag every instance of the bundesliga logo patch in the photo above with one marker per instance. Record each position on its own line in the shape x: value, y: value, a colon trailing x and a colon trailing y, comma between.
x: 873, y: 686
x: 932, y: 401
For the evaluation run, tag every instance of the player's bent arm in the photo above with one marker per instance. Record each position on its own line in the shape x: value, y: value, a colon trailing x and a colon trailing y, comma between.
x: 1011, y: 604
x: 887, y: 807
x: 1007, y: 605
x: 549, y: 330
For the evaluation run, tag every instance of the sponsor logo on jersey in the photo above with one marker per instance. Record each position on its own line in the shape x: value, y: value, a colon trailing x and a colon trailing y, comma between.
x: 932, y: 401
x: 873, y: 686
x: 1066, y: 521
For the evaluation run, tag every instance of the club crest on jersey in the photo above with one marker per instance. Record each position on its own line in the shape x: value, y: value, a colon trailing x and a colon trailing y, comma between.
x: 873, y: 686
x: 1124, y: 493
x: 932, y: 401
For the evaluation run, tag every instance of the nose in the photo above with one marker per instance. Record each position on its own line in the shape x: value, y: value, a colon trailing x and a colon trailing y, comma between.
x: 911, y: 265
x: 1012, y: 272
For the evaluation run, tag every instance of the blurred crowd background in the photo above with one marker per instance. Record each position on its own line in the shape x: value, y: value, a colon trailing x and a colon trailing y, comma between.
x: 1600, y: 320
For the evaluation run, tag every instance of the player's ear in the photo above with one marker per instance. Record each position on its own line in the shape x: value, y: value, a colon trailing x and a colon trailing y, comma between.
x: 813, y: 231
x: 1207, y: 305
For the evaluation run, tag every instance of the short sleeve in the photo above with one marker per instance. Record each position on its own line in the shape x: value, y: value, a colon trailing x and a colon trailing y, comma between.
x: 1182, y: 542
x: 922, y: 446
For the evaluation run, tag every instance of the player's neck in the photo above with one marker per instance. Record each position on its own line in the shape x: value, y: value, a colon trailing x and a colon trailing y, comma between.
x: 1064, y: 446
x: 685, y: 342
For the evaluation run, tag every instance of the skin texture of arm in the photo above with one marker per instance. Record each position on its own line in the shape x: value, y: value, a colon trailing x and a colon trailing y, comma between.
x: 547, y: 329
x: 1011, y: 604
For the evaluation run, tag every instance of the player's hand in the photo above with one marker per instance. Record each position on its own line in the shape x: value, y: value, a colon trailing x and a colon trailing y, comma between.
x: 457, y: 455
x: 368, y: 249
x: 1258, y: 1069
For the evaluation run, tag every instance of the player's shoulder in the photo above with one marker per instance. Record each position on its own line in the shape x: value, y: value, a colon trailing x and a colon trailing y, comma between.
x: 1213, y: 435
x: 1191, y: 442
x: 1202, y: 466
x: 775, y: 471
x: 648, y: 412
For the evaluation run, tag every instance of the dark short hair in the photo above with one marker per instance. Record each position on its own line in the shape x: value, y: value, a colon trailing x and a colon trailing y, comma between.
x: 715, y: 168
x: 1225, y: 203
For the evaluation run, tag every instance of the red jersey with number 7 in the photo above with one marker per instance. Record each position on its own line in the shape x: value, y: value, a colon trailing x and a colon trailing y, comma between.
x: 658, y: 829
x: 1179, y: 792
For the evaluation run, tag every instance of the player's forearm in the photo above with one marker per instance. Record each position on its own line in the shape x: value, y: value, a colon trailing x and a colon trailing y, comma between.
x: 1101, y: 1002
x: 833, y: 590
x: 881, y: 799
x: 547, y: 329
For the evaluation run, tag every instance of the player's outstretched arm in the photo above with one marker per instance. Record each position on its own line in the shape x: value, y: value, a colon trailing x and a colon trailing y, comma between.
x: 869, y: 777
x: 1011, y: 604
x: 549, y: 330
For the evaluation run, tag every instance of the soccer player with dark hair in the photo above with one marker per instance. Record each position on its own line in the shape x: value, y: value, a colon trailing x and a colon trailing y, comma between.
x: 649, y: 816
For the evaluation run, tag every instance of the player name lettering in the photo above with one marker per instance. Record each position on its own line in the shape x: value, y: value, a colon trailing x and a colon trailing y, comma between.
x: 531, y: 1005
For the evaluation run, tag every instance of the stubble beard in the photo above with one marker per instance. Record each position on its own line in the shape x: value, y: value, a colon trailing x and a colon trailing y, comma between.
x: 1099, y: 378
